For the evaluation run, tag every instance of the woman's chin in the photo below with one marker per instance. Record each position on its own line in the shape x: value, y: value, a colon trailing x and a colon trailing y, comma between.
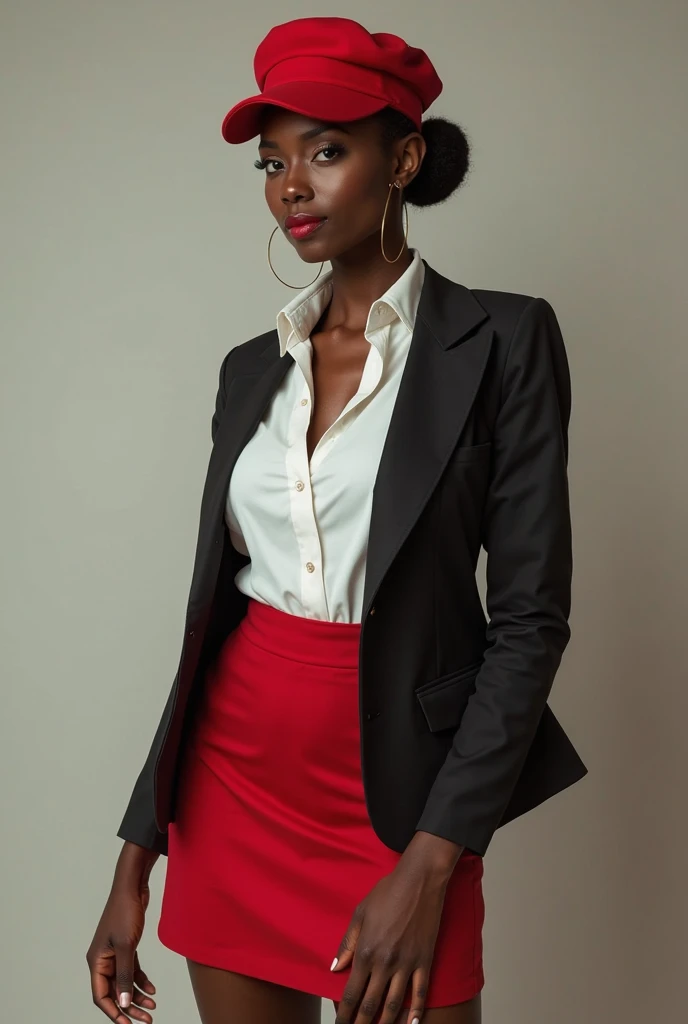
x: 312, y: 254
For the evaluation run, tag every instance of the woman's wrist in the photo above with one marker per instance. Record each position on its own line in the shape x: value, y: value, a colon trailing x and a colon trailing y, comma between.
x: 432, y: 855
x: 134, y: 866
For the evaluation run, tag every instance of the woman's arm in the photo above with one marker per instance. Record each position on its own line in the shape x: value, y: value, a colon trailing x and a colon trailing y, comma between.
x: 138, y: 824
x: 527, y: 535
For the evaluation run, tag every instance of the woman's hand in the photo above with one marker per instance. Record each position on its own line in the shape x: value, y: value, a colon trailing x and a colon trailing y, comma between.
x: 117, y: 980
x: 392, y: 934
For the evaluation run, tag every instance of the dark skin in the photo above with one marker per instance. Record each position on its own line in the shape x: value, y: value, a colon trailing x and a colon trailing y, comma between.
x: 341, y: 173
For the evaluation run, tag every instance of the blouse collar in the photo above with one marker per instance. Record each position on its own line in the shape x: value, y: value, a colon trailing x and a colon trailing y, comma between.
x: 298, y: 317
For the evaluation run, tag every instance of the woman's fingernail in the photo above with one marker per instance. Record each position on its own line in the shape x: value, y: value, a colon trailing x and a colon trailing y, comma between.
x: 416, y: 1020
x: 124, y: 999
x: 334, y: 963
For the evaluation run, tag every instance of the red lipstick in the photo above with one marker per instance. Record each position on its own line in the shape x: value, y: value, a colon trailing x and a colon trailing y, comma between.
x: 300, y: 225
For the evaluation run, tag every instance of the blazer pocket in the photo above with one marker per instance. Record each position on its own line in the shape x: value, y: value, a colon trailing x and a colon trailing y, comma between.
x: 468, y: 452
x: 444, y: 700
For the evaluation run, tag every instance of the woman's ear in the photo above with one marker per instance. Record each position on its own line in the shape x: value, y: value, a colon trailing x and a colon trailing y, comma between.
x: 410, y: 156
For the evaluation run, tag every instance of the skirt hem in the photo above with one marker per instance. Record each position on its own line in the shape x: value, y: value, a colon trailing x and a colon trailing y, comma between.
x: 279, y: 973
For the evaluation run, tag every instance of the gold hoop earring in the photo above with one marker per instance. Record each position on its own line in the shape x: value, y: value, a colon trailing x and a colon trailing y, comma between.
x: 396, y: 184
x: 300, y: 287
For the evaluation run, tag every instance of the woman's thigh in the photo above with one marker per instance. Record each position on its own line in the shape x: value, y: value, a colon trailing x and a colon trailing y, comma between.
x: 224, y: 997
x: 462, y: 1013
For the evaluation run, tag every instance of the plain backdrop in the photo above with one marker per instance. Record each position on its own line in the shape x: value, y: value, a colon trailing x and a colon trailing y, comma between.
x: 133, y: 249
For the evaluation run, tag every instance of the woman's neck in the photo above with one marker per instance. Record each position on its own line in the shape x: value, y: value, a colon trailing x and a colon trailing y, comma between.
x: 357, y: 283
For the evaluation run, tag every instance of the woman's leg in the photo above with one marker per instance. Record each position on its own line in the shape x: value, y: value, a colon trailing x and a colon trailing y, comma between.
x: 224, y: 997
x: 461, y: 1013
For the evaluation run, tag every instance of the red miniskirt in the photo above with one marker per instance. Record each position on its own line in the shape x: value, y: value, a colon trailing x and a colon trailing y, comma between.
x: 272, y: 847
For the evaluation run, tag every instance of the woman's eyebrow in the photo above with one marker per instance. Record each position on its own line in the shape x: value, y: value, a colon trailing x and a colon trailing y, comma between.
x: 305, y: 136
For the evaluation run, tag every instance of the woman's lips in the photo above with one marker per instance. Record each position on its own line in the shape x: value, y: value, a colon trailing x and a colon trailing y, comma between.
x: 306, y: 227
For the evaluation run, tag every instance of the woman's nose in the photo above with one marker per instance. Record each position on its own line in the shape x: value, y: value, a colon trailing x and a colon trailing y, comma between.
x: 295, y: 187
x: 292, y: 196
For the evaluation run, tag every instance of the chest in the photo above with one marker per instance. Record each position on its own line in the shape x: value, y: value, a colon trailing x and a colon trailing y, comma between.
x: 337, y: 364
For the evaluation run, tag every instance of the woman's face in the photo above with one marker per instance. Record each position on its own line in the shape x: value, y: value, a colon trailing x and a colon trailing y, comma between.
x: 337, y: 172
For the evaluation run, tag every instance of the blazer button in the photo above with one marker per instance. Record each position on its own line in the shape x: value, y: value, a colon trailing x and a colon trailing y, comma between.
x: 372, y: 714
x: 372, y: 611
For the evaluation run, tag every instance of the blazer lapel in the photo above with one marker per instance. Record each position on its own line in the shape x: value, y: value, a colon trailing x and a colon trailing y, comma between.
x: 436, y: 392
x: 438, y: 385
x: 247, y: 399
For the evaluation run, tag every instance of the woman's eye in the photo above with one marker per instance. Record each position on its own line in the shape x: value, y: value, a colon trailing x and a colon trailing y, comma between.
x: 332, y: 150
x: 261, y: 165
x: 336, y: 150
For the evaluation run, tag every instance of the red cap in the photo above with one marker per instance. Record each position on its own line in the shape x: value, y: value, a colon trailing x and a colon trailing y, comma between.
x: 335, y: 70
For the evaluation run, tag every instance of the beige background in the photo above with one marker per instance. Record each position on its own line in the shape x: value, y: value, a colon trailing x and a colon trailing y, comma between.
x: 134, y: 257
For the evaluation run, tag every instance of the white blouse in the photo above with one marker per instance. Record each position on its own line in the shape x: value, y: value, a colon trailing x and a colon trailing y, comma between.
x: 305, y: 526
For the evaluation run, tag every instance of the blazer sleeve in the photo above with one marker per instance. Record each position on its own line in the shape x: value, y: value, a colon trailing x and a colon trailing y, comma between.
x: 138, y: 824
x: 526, y: 532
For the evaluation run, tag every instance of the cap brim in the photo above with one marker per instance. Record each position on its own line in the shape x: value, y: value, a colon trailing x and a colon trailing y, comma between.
x: 312, y: 99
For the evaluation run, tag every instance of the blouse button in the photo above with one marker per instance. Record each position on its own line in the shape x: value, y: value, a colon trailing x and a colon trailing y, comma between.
x: 300, y: 485
x: 310, y: 566
x: 304, y: 401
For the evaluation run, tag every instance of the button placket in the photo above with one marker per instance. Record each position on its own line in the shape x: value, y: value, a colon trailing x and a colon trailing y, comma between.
x: 301, y: 499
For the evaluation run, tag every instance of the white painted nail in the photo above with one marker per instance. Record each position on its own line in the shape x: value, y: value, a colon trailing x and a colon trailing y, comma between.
x: 125, y: 999
x: 334, y: 963
x: 416, y: 1020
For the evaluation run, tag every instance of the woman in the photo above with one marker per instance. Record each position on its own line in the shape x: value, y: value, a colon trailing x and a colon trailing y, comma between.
x: 346, y: 732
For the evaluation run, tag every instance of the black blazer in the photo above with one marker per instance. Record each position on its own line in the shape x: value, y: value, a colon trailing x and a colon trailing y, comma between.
x: 457, y: 737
